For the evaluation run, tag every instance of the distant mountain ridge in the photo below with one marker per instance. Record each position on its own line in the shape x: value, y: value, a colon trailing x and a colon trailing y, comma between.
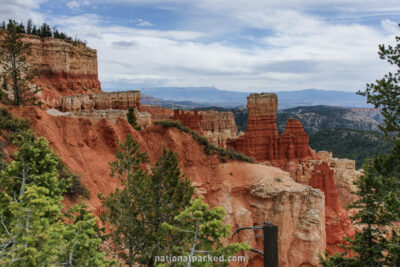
x: 210, y: 96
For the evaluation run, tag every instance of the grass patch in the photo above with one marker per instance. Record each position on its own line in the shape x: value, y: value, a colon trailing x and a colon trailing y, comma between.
x: 209, y: 148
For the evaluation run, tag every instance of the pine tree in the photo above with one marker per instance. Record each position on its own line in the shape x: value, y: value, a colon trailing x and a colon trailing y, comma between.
x: 198, y: 231
x: 131, y: 117
x: 378, y: 207
x: 29, y: 26
x: 16, y: 68
x: 147, y: 200
x: 33, y: 231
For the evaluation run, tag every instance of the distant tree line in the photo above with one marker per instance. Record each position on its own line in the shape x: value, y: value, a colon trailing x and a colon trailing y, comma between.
x: 43, y: 31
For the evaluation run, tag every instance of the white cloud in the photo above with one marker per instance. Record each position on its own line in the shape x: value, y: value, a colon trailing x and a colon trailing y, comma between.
x: 294, y: 48
x: 21, y: 10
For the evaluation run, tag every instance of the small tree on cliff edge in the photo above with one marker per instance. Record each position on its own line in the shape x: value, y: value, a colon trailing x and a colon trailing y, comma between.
x: 15, y: 68
x: 131, y: 116
x: 378, y: 209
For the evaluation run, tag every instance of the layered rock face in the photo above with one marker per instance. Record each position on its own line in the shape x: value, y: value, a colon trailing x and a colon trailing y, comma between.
x: 293, y: 142
x: 250, y: 193
x: 337, y: 221
x: 218, y: 127
x: 110, y: 100
x: 189, y: 119
x: 261, y: 140
x: 65, y: 68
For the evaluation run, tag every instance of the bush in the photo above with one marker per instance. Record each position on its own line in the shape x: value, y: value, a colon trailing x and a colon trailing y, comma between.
x: 208, y: 147
x: 73, y: 182
x: 10, y: 126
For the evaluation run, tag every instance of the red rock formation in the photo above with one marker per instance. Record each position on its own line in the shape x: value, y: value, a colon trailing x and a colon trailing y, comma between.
x: 251, y: 193
x: 157, y: 113
x: 189, y: 119
x: 261, y: 140
x: 337, y: 222
x: 293, y: 142
x: 65, y: 68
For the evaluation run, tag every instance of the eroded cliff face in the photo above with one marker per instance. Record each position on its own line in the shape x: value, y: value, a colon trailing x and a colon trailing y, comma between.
x: 218, y: 127
x: 65, y: 68
x: 251, y: 193
x: 101, y: 101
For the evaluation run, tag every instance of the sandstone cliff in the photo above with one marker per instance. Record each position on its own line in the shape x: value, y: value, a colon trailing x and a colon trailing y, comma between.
x: 65, y: 68
x: 110, y: 100
x: 251, y: 193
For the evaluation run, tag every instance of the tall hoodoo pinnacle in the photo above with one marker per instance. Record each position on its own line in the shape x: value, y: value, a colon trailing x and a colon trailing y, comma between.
x: 261, y: 140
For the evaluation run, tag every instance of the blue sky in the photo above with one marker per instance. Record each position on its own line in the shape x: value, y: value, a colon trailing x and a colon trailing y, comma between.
x: 241, y: 45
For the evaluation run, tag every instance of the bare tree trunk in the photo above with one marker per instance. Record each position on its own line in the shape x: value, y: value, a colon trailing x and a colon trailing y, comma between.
x: 189, y: 264
x: 15, y: 81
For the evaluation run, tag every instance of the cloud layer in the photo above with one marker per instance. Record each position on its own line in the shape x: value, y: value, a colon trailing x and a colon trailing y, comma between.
x: 233, y: 45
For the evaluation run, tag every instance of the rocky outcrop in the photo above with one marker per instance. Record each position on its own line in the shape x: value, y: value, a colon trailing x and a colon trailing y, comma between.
x: 293, y: 142
x: 189, y: 119
x: 345, y: 176
x: 251, y: 193
x: 65, y: 68
x: 110, y: 100
x: 261, y: 140
x: 218, y: 127
x: 337, y: 222
x: 143, y: 119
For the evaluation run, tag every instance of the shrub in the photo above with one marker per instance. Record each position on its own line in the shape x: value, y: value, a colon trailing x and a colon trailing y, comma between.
x: 208, y: 147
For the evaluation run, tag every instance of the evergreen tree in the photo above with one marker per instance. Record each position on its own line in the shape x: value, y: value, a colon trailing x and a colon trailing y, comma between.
x: 32, y: 227
x: 29, y: 26
x: 131, y: 116
x: 385, y: 93
x: 147, y: 200
x: 197, y: 232
x: 16, y: 68
x: 378, y: 207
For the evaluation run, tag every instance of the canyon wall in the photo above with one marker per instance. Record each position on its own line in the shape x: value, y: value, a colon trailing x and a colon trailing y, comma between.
x: 110, y: 100
x: 65, y: 68
x: 250, y: 193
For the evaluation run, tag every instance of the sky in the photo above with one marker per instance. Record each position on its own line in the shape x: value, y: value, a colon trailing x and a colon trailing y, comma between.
x: 239, y: 45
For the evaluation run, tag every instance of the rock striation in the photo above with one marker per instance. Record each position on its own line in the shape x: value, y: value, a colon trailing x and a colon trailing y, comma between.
x: 65, y: 68
x: 110, y: 100
x: 261, y: 140
x: 189, y: 119
x: 218, y: 127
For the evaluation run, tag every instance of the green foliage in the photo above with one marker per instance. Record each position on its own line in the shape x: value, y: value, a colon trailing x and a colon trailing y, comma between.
x: 131, y: 117
x: 33, y: 231
x: 351, y: 144
x: 11, y: 126
x: 42, y: 31
x: 209, y: 148
x: 146, y: 200
x: 75, y: 188
x: 198, y: 231
x: 15, y: 67
x: 378, y: 206
x: 385, y: 93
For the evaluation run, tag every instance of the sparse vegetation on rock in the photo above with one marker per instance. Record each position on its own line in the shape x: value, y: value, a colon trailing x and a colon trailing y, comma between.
x: 208, y: 147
